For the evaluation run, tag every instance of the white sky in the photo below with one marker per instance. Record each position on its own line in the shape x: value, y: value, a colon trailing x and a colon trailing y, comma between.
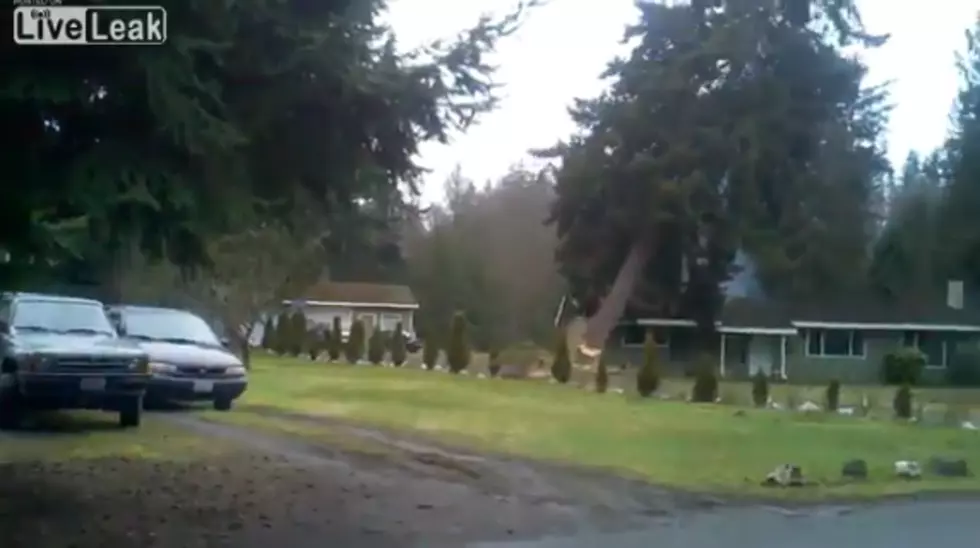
x: 559, y: 52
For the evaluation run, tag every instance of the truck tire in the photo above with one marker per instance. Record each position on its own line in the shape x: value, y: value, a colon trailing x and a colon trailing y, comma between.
x: 11, y: 407
x: 222, y: 404
x: 130, y: 412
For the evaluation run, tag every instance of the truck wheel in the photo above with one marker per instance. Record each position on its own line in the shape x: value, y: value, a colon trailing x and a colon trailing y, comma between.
x: 131, y: 412
x: 11, y: 408
x: 222, y: 404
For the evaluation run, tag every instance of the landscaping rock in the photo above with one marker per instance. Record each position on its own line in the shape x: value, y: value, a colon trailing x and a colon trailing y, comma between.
x: 808, y: 407
x: 932, y: 415
x: 617, y: 391
x: 967, y: 425
x: 785, y: 475
x: 949, y: 468
x: 481, y: 376
x: 908, y: 469
x: 438, y: 368
x: 848, y: 411
x: 855, y: 469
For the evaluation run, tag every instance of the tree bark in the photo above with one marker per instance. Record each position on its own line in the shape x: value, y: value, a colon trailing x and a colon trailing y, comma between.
x: 611, y: 309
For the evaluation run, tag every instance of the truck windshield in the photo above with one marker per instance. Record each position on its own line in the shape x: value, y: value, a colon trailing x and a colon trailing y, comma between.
x: 177, y: 326
x: 61, y: 317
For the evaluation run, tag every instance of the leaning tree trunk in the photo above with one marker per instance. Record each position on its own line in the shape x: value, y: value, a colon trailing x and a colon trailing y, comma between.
x: 611, y: 308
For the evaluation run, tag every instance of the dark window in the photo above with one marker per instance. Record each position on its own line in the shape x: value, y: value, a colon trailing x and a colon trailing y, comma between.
x: 835, y: 342
x: 633, y: 335
x: 814, y: 342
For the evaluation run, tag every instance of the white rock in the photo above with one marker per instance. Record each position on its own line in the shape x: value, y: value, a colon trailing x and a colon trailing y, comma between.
x: 967, y: 425
x: 846, y: 411
x: 774, y: 405
x: 481, y: 376
x: 617, y: 390
x: 464, y: 372
x: 908, y: 469
x: 808, y: 407
x: 438, y: 368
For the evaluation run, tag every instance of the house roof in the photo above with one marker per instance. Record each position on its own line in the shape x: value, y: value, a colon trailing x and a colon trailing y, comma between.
x: 360, y: 294
x: 752, y: 314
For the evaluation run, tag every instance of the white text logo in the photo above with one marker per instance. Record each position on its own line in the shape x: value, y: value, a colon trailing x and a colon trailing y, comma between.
x: 87, y: 26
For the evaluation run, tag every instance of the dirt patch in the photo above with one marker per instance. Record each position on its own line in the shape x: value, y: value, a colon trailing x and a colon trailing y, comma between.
x: 594, y: 492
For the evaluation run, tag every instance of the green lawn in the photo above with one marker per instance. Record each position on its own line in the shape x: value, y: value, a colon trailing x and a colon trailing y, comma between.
x: 80, y: 435
x: 701, y: 447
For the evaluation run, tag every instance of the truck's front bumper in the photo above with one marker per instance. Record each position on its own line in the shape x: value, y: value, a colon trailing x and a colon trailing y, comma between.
x: 79, y: 391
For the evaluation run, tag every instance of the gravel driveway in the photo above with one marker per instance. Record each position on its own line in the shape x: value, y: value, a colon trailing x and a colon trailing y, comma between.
x: 278, y: 491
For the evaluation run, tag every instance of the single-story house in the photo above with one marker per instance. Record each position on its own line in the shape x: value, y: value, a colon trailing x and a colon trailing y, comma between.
x: 808, y: 342
x: 376, y: 305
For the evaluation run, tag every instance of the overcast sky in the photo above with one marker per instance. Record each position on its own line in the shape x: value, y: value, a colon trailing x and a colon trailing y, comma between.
x: 558, y: 54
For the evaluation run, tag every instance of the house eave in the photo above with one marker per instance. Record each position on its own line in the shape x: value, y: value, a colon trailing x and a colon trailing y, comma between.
x: 347, y: 304
x: 961, y: 328
x: 797, y: 325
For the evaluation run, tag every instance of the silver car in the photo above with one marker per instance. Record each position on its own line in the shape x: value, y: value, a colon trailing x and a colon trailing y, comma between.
x: 188, y: 362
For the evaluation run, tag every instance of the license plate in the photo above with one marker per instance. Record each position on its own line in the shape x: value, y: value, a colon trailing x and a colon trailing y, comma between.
x: 93, y: 384
x: 203, y: 387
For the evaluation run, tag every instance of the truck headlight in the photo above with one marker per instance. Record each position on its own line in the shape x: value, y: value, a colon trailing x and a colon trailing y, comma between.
x: 162, y: 368
x: 236, y: 371
x: 140, y: 365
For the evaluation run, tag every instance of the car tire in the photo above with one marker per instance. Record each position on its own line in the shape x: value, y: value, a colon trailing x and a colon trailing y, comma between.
x: 131, y: 413
x: 222, y: 404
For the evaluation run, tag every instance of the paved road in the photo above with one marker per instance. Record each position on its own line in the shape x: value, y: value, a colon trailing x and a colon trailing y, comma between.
x: 932, y: 524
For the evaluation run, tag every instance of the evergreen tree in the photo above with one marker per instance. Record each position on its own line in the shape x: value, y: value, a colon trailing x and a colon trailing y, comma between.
x: 376, y: 347
x: 297, y: 333
x: 601, y: 376
x: 648, y: 377
x: 398, y: 351
x: 283, y: 333
x: 713, y: 147
x: 561, y: 367
x: 458, y: 350
x: 268, y: 334
x: 430, y: 352
x: 354, y: 349
x: 760, y: 389
x: 336, y: 344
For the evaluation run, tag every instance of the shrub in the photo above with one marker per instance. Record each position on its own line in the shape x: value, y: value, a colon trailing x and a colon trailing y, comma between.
x: 281, y: 339
x: 760, y: 389
x: 354, y: 349
x: 648, y: 377
x: 903, y: 366
x: 902, y: 404
x: 458, y: 349
x: 336, y: 342
x: 268, y: 333
x: 833, y: 395
x: 314, y: 342
x: 601, y: 376
x: 430, y: 352
x: 964, y: 368
x: 399, y: 353
x: 297, y: 333
x: 376, y: 347
x: 561, y: 367
x: 494, y: 366
x: 705, y: 388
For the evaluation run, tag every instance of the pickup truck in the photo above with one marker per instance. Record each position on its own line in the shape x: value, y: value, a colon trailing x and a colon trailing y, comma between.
x: 63, y: 353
